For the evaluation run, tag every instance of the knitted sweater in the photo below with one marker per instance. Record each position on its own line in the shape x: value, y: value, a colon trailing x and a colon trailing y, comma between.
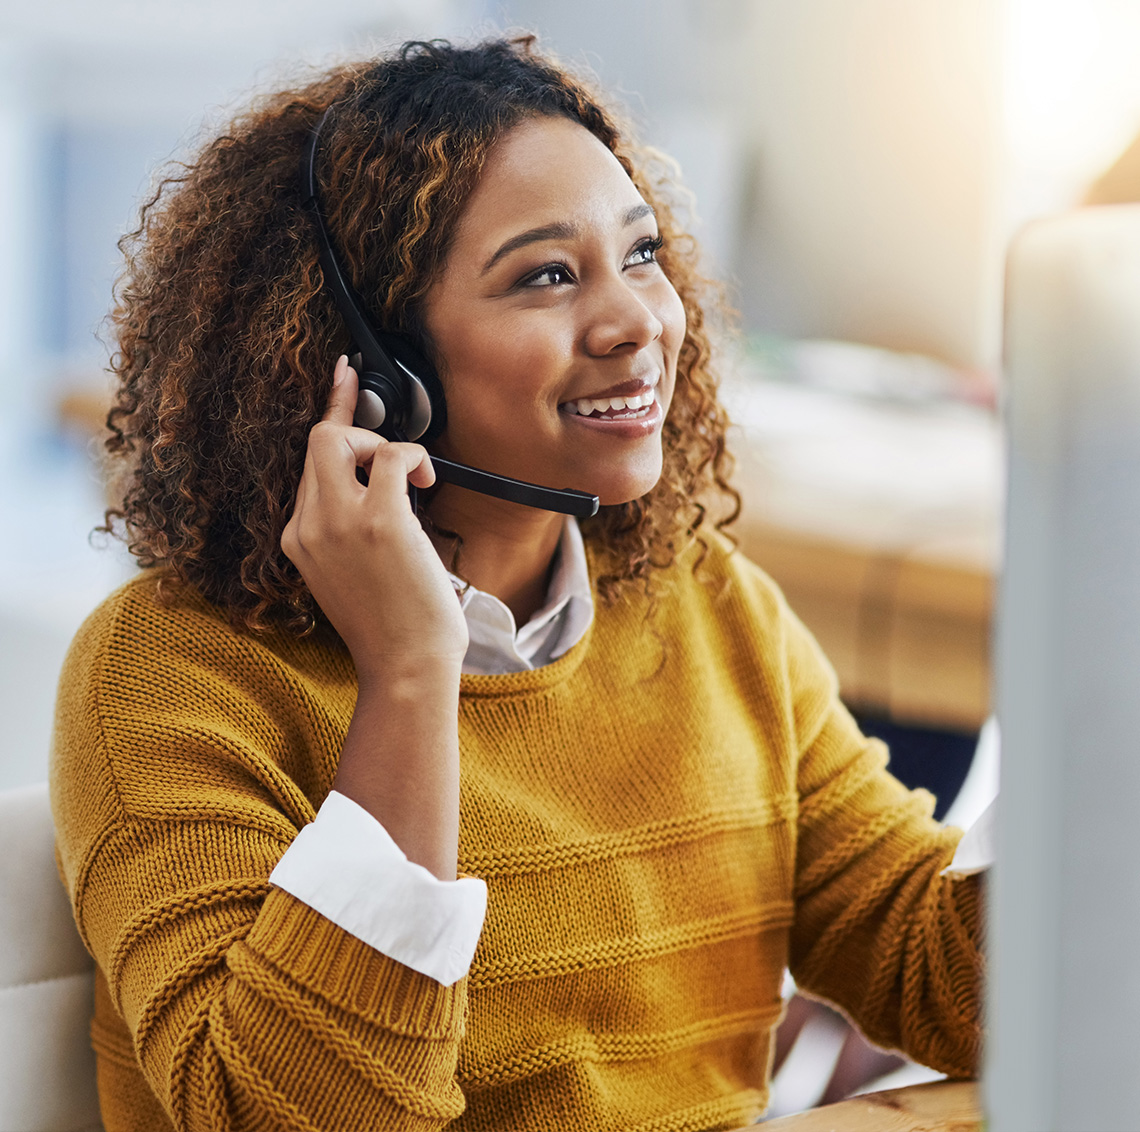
x: 666, y: 817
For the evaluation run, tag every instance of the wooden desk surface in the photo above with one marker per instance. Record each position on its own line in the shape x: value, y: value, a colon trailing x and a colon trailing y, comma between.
x: 943, y: 1106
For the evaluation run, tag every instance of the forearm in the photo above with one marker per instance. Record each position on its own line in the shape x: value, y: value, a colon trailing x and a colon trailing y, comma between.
x: 400, y: 761
x: 274, y: 1017
x: 878, y: 930
x: 216, y: 977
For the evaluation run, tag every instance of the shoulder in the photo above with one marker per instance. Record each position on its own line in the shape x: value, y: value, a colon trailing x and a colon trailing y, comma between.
x: 707, y: 580
x: 159, y: 689
x: 722, y: 596
x: 714, y: 575
x: 144, y: 634
x: 144, y: 611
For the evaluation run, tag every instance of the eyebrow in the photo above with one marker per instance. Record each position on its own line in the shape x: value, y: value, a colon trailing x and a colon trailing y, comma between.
x: 558, y: 231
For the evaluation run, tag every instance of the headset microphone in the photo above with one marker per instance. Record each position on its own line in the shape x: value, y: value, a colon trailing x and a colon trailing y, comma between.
x: 400, y: 395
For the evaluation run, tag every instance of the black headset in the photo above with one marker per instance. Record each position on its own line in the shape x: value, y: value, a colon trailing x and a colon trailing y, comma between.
x: 400, y: 395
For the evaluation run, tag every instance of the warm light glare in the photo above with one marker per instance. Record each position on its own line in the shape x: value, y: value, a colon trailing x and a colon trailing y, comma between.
x: 1072, y: 92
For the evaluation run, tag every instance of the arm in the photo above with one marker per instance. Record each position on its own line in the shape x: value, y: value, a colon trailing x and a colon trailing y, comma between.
x: 878, y: 930
x: 378, y: 579
x: 179, y: 760
x: 246, y: 1007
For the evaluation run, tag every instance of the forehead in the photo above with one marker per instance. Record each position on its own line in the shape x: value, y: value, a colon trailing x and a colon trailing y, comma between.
x: 544, y: 171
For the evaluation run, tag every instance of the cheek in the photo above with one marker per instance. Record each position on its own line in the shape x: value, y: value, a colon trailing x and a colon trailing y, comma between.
x: 674, y: 322
x: 515, y: 360
x: 497, y: 381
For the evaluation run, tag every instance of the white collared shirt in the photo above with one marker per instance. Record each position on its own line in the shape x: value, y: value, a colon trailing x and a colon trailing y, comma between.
x: 346, y: 866
x: 496, y: 645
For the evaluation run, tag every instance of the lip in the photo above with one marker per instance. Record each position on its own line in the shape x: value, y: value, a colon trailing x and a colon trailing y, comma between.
x: 629, y: 388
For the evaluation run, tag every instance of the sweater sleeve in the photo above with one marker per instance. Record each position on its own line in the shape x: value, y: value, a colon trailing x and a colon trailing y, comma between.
x: 174, y: 799
x: 877, y: 929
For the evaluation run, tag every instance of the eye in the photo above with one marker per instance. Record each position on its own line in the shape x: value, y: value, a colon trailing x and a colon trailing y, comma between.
x: 645, y: 252
x: 549, y: 275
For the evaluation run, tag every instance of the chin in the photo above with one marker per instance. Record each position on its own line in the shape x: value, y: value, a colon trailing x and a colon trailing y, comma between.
x: 614, y: 493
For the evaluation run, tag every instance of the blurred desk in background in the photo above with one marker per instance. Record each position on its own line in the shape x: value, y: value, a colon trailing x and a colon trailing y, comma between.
x: 881, y: 522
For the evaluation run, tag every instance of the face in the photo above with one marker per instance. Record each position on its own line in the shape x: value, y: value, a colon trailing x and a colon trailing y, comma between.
x: 555, y: 330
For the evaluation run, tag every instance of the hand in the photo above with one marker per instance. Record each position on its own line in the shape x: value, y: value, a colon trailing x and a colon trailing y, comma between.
x: 378, y: 579
x: 362, y: 552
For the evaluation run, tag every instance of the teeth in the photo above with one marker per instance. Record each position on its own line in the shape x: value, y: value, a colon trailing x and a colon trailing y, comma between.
x: 586, y: 405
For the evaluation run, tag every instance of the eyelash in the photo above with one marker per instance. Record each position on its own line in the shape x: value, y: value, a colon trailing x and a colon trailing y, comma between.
x: 652, y: 246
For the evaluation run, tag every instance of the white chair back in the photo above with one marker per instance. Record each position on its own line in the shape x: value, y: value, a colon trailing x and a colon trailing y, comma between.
x: 47, y: 1067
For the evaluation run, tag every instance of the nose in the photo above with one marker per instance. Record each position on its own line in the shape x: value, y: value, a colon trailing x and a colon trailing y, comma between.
x: 621, y: 317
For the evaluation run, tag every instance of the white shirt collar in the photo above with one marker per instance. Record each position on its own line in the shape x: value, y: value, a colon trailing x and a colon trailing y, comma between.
x: 497, y: 645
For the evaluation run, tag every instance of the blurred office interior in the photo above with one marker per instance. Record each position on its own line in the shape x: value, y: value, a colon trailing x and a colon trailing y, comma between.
x: 855, y: 173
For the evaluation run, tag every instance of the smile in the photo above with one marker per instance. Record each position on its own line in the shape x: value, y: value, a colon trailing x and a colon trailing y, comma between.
x: 613, y: 408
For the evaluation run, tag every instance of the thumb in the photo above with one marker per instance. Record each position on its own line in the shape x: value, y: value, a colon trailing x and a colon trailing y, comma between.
x: 342, y: 399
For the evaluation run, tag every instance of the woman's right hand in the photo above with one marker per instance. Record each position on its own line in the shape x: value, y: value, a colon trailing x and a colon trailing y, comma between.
x: 361, y: 550
x: 378, y: 579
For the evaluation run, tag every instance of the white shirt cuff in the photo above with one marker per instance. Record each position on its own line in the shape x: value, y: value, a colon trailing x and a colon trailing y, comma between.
x: 975, y: 851
x: 346, y: 866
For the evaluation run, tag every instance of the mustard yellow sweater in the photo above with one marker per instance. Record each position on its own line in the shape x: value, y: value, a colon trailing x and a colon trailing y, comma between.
x: 666, y: 817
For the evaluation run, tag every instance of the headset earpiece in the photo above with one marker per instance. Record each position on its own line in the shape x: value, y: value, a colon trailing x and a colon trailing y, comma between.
x: 395, y: 414
x: 377, y: 399
x: 400, y: 395
x: 419, y: 405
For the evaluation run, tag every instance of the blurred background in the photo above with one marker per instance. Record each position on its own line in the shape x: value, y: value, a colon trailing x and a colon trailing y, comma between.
x: 856, y: 172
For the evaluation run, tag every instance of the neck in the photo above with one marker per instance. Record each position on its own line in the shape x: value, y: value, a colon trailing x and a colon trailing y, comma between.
x: 507, y: 549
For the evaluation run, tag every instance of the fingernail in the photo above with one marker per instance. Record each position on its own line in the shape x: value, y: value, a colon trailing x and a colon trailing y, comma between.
x: 341, y: 369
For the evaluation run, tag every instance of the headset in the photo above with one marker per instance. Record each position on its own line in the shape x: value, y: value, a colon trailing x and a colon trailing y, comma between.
x: 400, y: 395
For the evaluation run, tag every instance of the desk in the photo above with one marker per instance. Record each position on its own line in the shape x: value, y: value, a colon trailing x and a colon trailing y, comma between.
x: 881, y: 523
x: 943, y: 1106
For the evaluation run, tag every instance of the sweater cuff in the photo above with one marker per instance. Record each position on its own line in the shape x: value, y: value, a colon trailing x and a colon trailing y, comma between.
x: 346, y: 866
x: 290, y: 937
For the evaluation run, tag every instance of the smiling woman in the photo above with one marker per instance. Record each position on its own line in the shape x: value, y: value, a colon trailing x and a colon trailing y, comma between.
x: 380, y: 813
x: 560, y: 330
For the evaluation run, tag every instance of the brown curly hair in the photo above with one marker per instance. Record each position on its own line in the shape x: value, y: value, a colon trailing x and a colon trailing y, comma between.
x: 224, y: 334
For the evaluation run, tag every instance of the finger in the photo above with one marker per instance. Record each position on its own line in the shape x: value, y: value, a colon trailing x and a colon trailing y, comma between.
x: 423, y: 474
x: 334, y: 455
x: 361, y: 445
x: 339, y: 448
x: 394, y: 466
x: 342, y: 398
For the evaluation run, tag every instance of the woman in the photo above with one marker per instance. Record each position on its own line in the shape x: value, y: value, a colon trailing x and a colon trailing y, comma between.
x: 279, y: 747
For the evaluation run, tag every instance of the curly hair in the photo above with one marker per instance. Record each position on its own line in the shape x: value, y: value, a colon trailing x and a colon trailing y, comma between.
x: 224, y: 333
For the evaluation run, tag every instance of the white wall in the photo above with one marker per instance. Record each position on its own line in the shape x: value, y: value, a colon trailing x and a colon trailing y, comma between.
x: 846, y: 156
x: 1072, y: 97
x: 877, y: 206
x: 20, y: 278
